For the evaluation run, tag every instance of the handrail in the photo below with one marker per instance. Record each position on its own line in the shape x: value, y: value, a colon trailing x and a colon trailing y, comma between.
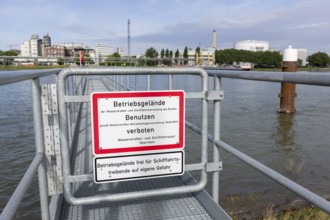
x: 8, y: 77
x: 315, y: 78
x: 284, y: 181
x: 68, y: 195
x: 13, y: 204
x: 310, y: 78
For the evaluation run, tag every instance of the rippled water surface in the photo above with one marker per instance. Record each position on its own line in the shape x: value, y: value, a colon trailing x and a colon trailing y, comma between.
x: 295, y: 145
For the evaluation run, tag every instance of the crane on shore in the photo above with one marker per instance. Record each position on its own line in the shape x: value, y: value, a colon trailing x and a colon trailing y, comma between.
x: 11, y: 46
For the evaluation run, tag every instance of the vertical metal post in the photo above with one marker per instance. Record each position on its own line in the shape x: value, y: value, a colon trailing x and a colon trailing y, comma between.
x: 128, y: 82
x: 216, y: 136
x: 39, y: 140
x: 68, y: 110
x: 170, y: 82
x: 204, y: 124
x: 136, y: 83
x: 148, y: 82
x: 116, y: 82
x: 288, y: 90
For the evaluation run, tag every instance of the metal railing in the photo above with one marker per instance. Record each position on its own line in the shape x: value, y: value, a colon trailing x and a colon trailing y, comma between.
x: 96, y: 61
x: 320, y: 78
x: 8, y: 77
x: 65, y: 98
x: 38, y: 163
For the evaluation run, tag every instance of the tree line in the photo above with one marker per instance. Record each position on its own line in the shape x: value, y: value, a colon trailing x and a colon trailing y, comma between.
x: 319, y: 59
x: 8, y: 53
x: 166, y: 56
x: 260, y: 59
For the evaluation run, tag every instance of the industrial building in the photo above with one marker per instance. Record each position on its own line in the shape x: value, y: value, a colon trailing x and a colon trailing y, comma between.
x: 205, y: 58
x: 252, y: 45
x: 47, y: 41
x: 54, y: 51
x: 32, y: 47
x: 101, y: 52
x: 302, y: 55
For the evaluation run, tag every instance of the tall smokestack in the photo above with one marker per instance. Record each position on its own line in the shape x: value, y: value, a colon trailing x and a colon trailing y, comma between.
x: 214, y: 40
x: 128, y: 38
x: 214, y: 46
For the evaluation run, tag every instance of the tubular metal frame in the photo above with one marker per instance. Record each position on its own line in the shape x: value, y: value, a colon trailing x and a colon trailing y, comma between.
x: 64, y: 133
x: 38, y: 163
x: 7, y: 77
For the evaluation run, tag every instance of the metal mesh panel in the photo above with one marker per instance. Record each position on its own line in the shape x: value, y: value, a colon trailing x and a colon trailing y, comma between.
x: 169, y: 207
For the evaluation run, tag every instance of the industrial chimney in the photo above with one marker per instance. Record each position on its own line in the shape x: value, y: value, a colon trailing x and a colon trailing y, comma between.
x: 214, y: 40
x: 214, y: 46
x: 128, y: 39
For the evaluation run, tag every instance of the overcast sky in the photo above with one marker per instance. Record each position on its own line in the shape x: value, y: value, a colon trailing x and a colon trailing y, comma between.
x: 171, y: 24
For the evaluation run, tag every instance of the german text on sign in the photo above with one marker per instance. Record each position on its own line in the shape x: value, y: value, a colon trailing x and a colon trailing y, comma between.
x: 137, y: 121
x: 119, y: 168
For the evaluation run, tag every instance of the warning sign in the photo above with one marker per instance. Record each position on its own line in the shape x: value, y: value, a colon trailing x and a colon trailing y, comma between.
x: 119, y: 168
x: 137, y: 121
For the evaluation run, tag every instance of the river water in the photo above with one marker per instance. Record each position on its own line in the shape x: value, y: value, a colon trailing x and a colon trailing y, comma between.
x: 295, y: 145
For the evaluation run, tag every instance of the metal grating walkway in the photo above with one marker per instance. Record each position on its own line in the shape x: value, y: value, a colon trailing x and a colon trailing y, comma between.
x: 169, y: 207
x: 187, y: 206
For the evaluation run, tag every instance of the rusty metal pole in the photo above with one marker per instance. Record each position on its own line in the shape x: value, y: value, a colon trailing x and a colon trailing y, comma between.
x: 288, y: 90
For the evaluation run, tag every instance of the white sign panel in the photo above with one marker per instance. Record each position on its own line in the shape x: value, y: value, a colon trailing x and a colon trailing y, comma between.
x: 119, y: 168
x: 137, y: 121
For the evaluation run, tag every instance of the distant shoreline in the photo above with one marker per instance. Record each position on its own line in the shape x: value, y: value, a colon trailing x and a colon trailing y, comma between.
x: 300, y: 69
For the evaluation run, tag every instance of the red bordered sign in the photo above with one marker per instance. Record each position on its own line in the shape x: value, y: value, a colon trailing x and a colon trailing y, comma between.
x: 137, y: 121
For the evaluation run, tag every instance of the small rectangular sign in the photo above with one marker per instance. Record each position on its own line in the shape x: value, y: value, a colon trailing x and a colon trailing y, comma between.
x: 137, y: 121
x: 141, y: 166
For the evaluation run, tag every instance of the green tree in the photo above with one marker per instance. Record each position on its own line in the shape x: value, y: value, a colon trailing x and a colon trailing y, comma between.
x: 167, y: 53
x: 162, y: 53
x: 177, y: 55
x: 113, y: 60
x: 151, y: 53
x: 60, y: 61
x: 197, y: 55
x: 185, y: 55
x: 319, y: 59
x: 259, y: 59
x: 116, y: 55
x: 8, y: 53
x: 198, y: 51
x: 88, y: 59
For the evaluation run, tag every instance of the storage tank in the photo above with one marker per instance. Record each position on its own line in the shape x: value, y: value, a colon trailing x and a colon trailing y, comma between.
x: 252, y: 45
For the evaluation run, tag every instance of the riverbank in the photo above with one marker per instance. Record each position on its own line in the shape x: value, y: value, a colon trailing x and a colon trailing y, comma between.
x: 300, y: 69
x: 307, y: 213
x: 6, y: 68
x: 296, y: 209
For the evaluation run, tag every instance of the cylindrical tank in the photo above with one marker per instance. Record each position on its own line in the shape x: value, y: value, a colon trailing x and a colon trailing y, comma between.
x: 252, y: 45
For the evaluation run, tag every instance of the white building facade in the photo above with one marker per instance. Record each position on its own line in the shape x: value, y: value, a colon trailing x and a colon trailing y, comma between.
x: 252, y: 45
x: 32, y: 47
x: 26, y: 49
x: 121, y: 51
x: 302, y: 55
x: 101, y: 52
